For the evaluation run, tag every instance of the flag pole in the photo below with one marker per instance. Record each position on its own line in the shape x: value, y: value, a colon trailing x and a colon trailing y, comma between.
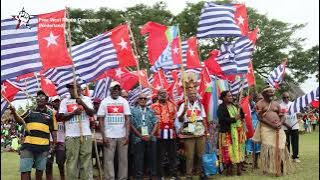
x: 183, y: 74
x: 74, y: 74
x: 25, y: 92
x: 137, y: 56
x: 20, y: 118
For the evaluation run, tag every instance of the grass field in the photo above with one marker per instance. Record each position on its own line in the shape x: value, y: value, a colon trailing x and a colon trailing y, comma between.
x: 308, y: 169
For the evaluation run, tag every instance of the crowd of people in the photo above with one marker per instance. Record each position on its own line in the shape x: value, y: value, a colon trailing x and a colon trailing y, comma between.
x: 164, y: 139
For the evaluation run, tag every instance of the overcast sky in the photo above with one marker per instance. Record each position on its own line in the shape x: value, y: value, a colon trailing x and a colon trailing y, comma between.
x: 291, y: 11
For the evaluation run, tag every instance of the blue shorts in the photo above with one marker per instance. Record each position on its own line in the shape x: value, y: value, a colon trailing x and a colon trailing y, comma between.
x: 29, y: 160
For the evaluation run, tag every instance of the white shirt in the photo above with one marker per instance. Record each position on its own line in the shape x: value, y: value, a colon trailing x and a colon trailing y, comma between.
x: 113, y: 111
x: 196, y: 107
x: 72, y: 126
x: 291, y: 120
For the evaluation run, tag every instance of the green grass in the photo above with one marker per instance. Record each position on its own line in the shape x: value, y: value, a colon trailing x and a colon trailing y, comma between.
x: 308, y: 168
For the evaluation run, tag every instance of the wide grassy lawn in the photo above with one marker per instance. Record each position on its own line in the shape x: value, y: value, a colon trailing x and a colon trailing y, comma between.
x: 308, y: 169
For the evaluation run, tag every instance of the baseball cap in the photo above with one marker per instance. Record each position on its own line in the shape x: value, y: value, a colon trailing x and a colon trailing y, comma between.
x: 114, y: 83
x: 54, y: 98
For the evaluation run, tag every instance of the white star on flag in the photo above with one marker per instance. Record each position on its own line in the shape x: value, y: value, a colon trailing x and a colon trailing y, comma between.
x: 123, y: 44
x: 47, y: 81
x: 158, y: 87
x: 175, y: 50
x: 191, y: 52
x: 115, y: 109
x: 3, y: 88
x: 240, y: 20
x: 74, y: 107
x: 51, y: 39
x: 119, y: 73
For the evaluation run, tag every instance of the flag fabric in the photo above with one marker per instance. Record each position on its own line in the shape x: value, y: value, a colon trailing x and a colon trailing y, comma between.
x: 212, y: 64
x: 101, y: 88
x: 61, y: 76
x: 4, y: 105
x: 160, y: 81
x: 222, y: 21
x: 205, y: 82
x: 157, y: 40
x: 210, y: 101
x: 276, y: 76
x: 250, y: 75
x: 303, y: 101
x: 134, y: 94
x: 244, y: 103
x: 190, y: 57
x: 143, y: 77
x: 41, y: 46
x: 29, y: 86
x: 9, y: 90
x: 48, y: 86
x: 234, y: 57
x: 315, y: 103
x: 109, y: 50
x: 164, y: 45
x: 237, y: 85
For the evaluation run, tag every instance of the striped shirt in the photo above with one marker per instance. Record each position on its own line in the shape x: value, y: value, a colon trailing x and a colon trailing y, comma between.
x: 40, y: 124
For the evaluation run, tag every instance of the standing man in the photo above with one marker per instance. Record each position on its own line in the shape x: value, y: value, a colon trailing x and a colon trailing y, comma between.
x: 144, y: 126
x: 192, y: 115
x: 291, y: 127
x: 59, y: 150
x: 166, y: 112
x: 75, y: 110
x: 274, y: 155
x: 35, y: 147
x: 113, y: 115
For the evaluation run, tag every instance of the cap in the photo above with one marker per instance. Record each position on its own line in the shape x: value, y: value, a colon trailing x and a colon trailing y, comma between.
x: 114, y: 83
x: 54, y: 98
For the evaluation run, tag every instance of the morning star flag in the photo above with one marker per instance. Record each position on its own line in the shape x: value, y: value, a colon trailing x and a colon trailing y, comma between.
x: 41, y: 45
x: 29, y: 85
x: 234, y: 57
x: 303, y: 101
x: 101, y: 88
x: 106, y: 51
x: 236, y: 86
x: 61, y: 76
x: 222, y: 21
x: 163, y: 44
x: 276, y: 76
x: 190, y: 57
x: 9, y: 90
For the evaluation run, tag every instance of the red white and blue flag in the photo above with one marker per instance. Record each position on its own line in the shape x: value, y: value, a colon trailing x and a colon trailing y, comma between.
x: 41, y: 46
x: 276, y: 76
x: 222, y: 21
x: 235, y: 57
x: 109, y: 50
x: 101, y: 88
x: 303, y: 101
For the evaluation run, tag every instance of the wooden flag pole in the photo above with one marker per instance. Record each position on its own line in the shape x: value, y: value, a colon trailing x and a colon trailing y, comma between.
x: 20, y: 118
x: 74, y: 76
x: 97, y: 154
x: 183, y: 74
x: 137, y: 56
